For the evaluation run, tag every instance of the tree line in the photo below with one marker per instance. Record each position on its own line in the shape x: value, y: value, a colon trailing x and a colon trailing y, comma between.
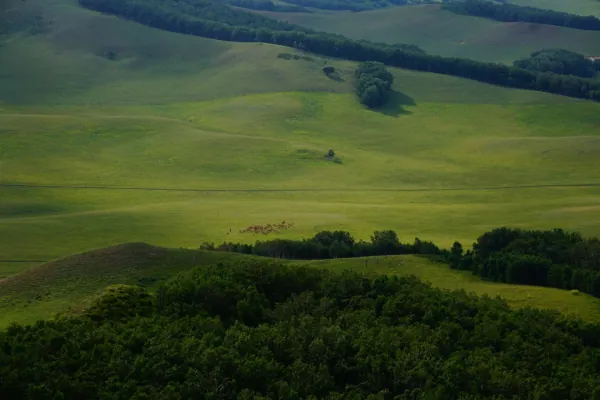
x: 508, y: 12
x: 553, y: 258
x: 373, y: 84
x: 328, y: 244
x: 560, y: 61
x: 214, y: 22
x: 354, y: 5
x: 263, y: 330
x: 267, y: 5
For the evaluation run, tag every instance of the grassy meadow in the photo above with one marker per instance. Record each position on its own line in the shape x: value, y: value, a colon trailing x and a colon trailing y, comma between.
x: 177, y: 140
x: 428, y: 169
x: 442, y: 32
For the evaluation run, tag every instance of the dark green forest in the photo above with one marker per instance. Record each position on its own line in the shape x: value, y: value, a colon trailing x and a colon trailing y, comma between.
x: 330, y: 244
x: 263, y: 330
x: 217, y: 21
x: 507, y: 12
x: 555, y: 258
x: 560, y: 61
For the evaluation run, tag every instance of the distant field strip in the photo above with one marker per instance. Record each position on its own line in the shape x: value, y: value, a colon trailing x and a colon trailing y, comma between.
x: 16, y: 185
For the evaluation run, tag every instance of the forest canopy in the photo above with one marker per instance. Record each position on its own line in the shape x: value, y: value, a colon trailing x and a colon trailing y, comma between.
x: 260, y: 329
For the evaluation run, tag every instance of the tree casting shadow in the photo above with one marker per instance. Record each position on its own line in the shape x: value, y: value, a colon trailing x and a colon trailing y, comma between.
x: 395, y: 105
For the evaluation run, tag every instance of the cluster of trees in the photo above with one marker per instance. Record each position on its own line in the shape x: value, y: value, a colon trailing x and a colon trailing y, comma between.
x: 267, y: 5
x: 373, y: 84
x: 262, y: 330
x: 327, y: 244
x: 560, y: 61
x: 339, y: 5
x: 217, y: 21
x: 553, y: 258
x: 508, y: 12
x: 354, y: 5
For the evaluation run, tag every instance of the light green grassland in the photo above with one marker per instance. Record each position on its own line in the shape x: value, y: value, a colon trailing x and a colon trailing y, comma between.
x: 442, y: 32
x: 66, y: 63
x: 276, y: 142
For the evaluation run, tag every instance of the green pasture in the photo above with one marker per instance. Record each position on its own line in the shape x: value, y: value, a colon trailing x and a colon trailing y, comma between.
x: 423, y: 168
x: 442, y: 32
x: 69, y: 61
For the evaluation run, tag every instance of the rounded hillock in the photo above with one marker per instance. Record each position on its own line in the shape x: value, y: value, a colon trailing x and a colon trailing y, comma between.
x: 89, y: 265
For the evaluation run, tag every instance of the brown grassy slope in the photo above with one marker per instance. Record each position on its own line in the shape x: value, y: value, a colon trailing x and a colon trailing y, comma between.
x: 124, y: 263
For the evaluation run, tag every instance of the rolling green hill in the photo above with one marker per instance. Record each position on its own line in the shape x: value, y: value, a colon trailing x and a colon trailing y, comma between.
x: 442, y: 32
x: 419, y: 169
x: 70, y: 62
x: 70, y: 284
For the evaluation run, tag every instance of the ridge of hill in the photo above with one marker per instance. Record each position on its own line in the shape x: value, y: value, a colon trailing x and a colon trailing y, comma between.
x: 44, y: 290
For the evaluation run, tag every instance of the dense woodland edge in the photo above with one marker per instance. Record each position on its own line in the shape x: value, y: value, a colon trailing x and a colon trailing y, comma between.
x: 331, y: 5
x: 218, y: 21
x: 553, y: 258
x: 507, y: 12
x: 259, y: 329
x: 560, y: 61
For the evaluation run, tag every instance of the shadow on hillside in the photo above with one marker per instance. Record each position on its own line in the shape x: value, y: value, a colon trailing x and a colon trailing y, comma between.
x: 395, y: 106
x: 335, y: 77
